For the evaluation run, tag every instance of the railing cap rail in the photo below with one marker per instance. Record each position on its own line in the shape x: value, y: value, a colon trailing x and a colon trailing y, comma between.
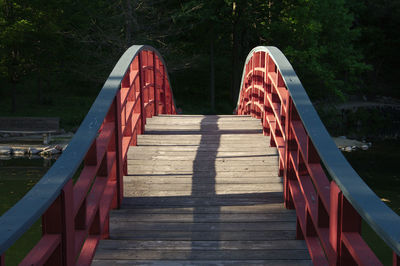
x: 17, y: 220
x: 384, y: 221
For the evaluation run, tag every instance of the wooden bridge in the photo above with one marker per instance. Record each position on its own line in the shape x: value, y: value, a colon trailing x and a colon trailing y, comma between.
x: 191, y: 199
x: 141, y: 185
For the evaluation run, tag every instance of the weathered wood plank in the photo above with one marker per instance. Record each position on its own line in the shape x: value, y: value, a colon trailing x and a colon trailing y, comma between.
x: 206, y: 161
x: 200, y: 167
x: 244, y: 199
x: 203, y: 245
x: 204, y: 255
x: 202, y: 236
x: 205, y: 218
x: 283, y: 262
x: 199, y: 185
x: 197, y: 154
x: 121, y: 226
x: 156, y: 190
x: 202, y: 190
x: 192, y: 157
x: 188, y: 179
x: 194, y: 148
x: 258, y: 208
x: 214, y: 175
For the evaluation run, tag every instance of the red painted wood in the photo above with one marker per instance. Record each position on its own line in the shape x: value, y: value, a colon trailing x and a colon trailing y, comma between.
x: 82, y: 186
x: 141, y: 92
x: 88, y: 251
x: 79, y: 217
x: 93, y: 200
x: 316, y: 252
x: 58, y: 219
x: 106, y: 204
x: 120, y: 159
x: 323, y: 214
x: 358, y: 250
x: 396, y: 259
x: 334, y: 219
x: 42, y: 251
x: 91, y: 156
x: 155, y: 84
x: 80, y: 236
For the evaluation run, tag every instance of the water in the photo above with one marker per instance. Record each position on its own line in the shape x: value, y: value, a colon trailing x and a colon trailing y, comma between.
x: 18, y: 175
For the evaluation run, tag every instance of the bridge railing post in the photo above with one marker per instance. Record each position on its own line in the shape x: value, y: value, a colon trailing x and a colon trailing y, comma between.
x: 118, y: 146
x: 396, y: 259
x: 155, y: 63
x: 141, y: 96
x: 2, y: 260
x: 288, y: 147
x: 59, y: 219
x: 343, y: 219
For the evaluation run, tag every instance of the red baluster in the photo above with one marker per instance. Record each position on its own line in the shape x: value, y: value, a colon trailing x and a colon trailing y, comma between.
x: 118, y: 149
x: 141, y: 91
x: 396, y: 259
x: 58, y: 219
x: 155, y: 84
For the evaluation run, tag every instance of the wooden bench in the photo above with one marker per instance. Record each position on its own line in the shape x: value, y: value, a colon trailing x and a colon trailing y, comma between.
x: 30, y: 125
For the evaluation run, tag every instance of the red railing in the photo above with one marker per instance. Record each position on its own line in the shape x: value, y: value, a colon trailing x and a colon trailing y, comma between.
x: 78, y: 218
x: 328, y: 211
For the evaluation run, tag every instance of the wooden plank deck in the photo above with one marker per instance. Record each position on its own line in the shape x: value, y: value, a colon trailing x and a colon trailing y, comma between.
x: 202, y: 190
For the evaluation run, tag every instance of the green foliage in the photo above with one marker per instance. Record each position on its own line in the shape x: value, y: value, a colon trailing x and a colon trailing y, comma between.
x: 69, y: 47
x: 317, y: 37
x: 378, y: 23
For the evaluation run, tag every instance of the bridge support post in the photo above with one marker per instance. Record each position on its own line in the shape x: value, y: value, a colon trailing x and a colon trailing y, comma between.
x: 155, y: 64
x: 288, y: 173
x: 118, y: 146
x: 141, y: 96
x: 343, y: 218
x: 2, y: 260
x: 58, y: 219
x: 396, y: 259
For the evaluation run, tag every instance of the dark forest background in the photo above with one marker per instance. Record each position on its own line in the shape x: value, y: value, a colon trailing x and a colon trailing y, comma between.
x: 56, y: 54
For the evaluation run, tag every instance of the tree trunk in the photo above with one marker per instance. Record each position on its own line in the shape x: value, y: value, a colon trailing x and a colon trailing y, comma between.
x: 128, y: 23
x: 212, y: 76
x: 40, y: 89
x: 236, y: 50
x: 13, y: 96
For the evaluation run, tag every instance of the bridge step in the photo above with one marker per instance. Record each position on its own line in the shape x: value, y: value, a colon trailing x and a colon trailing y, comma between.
x: 202, y: 190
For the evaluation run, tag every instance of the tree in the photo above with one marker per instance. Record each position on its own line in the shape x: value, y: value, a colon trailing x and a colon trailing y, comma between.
x: 318, y: 38
x: 15, y: 32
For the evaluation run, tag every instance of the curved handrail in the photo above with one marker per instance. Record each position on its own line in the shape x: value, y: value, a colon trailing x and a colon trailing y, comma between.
x: 380, y: 217
x: 17, y: 220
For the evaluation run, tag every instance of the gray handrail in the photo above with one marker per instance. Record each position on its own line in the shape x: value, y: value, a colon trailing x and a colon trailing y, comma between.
x: 17, y: 220
x: 384, y: 221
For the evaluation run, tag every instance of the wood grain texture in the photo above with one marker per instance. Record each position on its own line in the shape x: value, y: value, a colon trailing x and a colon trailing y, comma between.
x: 202, y: 190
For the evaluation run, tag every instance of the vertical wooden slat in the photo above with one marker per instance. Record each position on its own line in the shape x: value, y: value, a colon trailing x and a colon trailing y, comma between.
x: 141, y: 91
x: 396, y: 259
x: 58, y: 219
x: 350, y: 222
x: 80, y: 218
x: 91, y: 155
x: 334, y: 219
x: 118, y: 150
x: 155, y: 84
x: 286, y: 163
